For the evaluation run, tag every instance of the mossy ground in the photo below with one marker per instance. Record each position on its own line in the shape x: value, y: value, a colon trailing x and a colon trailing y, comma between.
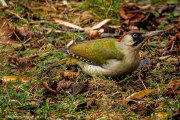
x: 19, y: 100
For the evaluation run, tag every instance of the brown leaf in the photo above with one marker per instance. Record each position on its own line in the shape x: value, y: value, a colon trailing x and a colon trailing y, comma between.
x: 3, y: 83
x: 140, y: 94
x: 62, y: 85
x: 127, y: 12
x: 80, y: 87
x: 137, y: 18
x: 130, y: 15
x: 6, y: 31
x: 141, y: 109
x: 49, y: 89
x: 25, y: 79
x: 159, y: 20
x: 172, y: 89
x: 135, y: 96
x: 66, y: 86
x: 176, y: 114
x: 9, y: 78
x: 123, y: 102
x: 122, y: 13
x: 173, y: 38
x: 90, y: 102
x: 92, y: 33
x: 12, y: 79
x: 69, y: 74
x: 22, y: 62
x: 86, y: 105
x: 23, y: 31
x: 144, y: 108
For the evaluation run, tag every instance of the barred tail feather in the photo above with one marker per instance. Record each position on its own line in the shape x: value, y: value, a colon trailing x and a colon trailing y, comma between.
x: 69, y: 52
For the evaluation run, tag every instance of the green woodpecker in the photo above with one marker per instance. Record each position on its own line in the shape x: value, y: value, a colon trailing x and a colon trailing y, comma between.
x: 109, y: 56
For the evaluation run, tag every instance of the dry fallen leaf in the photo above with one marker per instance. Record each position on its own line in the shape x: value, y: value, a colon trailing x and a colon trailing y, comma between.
x: 135, y: 96
x: 22, y: 62
x: 9, y: 78
x: 90, y: 102
x: 62, y: 85
x: 3, y: 83
x: 67, y: 24
x: 140, y: 94
x: 25, y: 79
x: 173, y: 38
x: 66, y: 86
x: 23, y: 31
x: 172, y: 89
x: 92, y: 33
x: 69, y: 74
x: 5, y: 79
x: 86, y: 105
x: 145, y: 108
x: 99, y: 25
x: 79, y: 87
x: 134, y: 15
x: 123, y: 14
x: 6, y: 31
x: 49, y: 89
x: 176, y: 114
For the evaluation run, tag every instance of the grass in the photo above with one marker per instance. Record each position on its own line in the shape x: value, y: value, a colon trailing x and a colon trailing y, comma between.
x: 20, y: 100
x: 110, y: 8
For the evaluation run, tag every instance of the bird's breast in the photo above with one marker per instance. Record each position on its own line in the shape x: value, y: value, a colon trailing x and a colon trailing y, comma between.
x: 113, y: 67
x: 121, y: 67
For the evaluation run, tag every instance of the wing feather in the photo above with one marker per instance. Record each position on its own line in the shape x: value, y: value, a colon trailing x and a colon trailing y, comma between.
x: 97, y: 51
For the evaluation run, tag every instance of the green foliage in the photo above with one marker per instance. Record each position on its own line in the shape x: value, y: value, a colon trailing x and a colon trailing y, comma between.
x: 19, y: 9
x: 103, y: 8
x: 163, y: 24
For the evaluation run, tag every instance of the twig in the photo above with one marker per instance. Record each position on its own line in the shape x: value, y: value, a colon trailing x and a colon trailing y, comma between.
x: 139, y: 77
x: 16, y: 15
x: 45, y: 84
x: 172, y: 46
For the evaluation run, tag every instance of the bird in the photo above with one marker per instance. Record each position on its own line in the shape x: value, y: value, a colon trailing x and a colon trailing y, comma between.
x: 110, y: 57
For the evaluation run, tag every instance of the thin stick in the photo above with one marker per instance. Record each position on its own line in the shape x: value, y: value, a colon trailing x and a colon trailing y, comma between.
x: 139, y: 77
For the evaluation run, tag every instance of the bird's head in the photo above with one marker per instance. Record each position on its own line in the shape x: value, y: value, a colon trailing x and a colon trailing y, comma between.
x: 136, y: 39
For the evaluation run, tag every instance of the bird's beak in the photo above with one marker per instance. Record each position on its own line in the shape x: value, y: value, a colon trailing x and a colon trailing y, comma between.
x: 147, y: 35
x: 152, y: 33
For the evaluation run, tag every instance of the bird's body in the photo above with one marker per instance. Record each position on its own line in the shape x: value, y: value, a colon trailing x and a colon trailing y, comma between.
x: 104, y: 58
x: 108, y: 56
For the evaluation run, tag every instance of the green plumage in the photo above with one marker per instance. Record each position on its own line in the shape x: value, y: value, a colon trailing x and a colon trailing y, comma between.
x: 97, y: 51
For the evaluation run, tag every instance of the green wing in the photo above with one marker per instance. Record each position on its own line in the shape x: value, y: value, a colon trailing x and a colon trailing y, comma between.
x: 97, y: 51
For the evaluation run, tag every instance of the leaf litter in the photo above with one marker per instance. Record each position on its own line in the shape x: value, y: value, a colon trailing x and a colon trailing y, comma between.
x: 36, y: 28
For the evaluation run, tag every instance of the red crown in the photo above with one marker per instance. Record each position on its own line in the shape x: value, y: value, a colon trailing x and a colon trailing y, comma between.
x: 120, y: 39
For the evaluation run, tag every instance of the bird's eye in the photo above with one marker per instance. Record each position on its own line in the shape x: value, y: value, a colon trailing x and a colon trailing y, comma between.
x: 135, y: 35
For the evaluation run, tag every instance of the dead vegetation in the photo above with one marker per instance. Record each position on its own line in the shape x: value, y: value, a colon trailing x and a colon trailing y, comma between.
x: 31, y: 34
